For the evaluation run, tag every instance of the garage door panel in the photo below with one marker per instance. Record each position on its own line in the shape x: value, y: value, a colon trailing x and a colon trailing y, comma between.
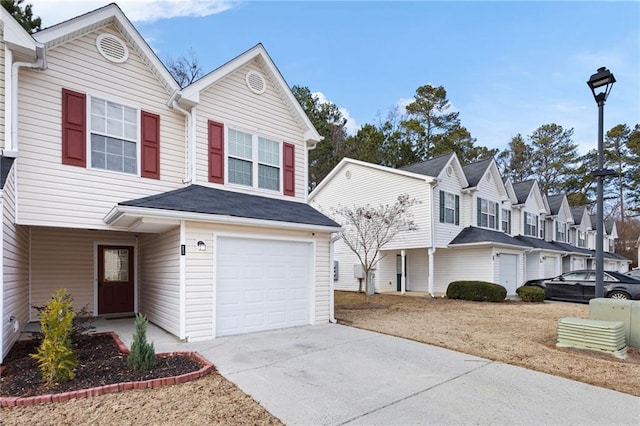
x: 262, y: 285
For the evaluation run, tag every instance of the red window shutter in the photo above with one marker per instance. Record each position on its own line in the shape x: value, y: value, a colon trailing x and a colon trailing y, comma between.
x: 74, y: 128
x: 216, y: 152
x: 150, y: 136
x: 289, y: 160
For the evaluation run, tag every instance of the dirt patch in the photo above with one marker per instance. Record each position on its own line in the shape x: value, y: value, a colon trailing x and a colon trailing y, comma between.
x: 516, y: 333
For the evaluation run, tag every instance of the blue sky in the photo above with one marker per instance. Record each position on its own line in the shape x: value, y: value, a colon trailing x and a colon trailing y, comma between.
x: 508, y: 67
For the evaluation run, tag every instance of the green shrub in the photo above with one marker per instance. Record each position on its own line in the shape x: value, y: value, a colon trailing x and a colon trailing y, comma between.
x: 530, y: 294
x: 55, y: 356
x: 143, y: 355
x: 83, y: 323
x: 480, y: 291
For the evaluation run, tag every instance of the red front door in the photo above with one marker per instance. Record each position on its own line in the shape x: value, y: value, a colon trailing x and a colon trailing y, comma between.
x: 115, y: 279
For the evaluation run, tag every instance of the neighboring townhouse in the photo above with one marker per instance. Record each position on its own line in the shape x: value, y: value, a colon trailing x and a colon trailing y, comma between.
x: 472, y: 224
x: 187, y: 205
x: 458, y: 215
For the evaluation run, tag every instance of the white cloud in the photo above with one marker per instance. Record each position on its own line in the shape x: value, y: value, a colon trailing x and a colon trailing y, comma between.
x: 55, y: 11
x: 402, y: 104
x: 352, y: 126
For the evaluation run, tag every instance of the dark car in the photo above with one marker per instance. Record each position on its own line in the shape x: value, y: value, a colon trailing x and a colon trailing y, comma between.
x: 634, y: 273
x: 580, y: 286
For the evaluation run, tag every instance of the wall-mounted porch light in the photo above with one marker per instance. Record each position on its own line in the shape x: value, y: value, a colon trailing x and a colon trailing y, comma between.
x: 201, y: 246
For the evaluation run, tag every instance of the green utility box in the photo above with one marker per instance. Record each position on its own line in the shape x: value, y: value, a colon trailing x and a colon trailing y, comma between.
x: 626, y: 311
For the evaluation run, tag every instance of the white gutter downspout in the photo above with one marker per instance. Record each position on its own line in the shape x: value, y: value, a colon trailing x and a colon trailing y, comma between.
x: 173, y: 104
x: 432, y: 250
x: 40, y: 64
x: 332, y: 318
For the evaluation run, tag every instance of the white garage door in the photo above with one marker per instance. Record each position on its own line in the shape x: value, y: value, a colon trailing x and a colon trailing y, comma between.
x: 261, y: 285
x: 509, y: 272
x: 550, y: 268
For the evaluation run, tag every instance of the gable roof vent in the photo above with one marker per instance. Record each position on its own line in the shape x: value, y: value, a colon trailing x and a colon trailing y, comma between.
x: 112, y: 48
x: 255, y: 82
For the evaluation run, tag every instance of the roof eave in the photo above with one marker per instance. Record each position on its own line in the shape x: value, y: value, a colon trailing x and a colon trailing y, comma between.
x: 119, y: 212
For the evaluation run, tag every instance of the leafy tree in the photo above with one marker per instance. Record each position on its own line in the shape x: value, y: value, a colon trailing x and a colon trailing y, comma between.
x: 633, y: 171
x: 330, y: 123
x: 429, y: 119
x: 515, y: 161
x: 580, y: 186
x: 554, y: 156
x: 185, y: 69
x: 616, y: 155
x: 366, y: 230
x: 24, y: 16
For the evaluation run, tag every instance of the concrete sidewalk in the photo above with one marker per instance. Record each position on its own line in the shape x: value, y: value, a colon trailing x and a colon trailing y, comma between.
x: 331, y: 374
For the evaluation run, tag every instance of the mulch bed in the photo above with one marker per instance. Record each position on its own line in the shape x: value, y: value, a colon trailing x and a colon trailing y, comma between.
x: 100, y: 362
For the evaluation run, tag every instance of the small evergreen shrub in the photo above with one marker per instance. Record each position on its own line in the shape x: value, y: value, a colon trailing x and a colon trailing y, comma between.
x: 55, y: 356
x: 530, y: 294
x: 479, y: 291
x: 143, y: 355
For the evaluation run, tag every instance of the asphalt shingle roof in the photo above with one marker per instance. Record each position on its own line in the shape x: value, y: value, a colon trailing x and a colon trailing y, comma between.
x: 577, y: 213
x: 202, y: 199
x: 539, y: 243
x: 472, y: 234
x: 431, y: 167
x: 555, y: 202
x: 522, y: 190
x: 475, y: 171
x: 5, y: 168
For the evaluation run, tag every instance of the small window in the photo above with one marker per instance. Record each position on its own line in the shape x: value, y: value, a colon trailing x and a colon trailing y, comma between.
x: 561, y: 232
x: 268, y: 164
x: 114, y: 136
x: 449, y: 208
x: 487, y: 214
x: 530, y: 224
x: 582, y: 240
x: 506, y: 221
x: 240, y: 158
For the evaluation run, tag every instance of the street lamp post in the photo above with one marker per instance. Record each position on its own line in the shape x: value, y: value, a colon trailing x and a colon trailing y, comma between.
x: 600, y: 84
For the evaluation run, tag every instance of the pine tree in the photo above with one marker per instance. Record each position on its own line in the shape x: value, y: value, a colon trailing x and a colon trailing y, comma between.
x: 143, y: 355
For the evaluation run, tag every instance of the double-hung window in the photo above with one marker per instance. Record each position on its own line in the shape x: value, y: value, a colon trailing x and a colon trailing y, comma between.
x: 449, y: 208
x: 114, y: 136
x: 530, y: 224
x: 487, y: 214
x: 561, y: 232
x: 253, y: 161
x: 506, y: 221
x: 582, y: 238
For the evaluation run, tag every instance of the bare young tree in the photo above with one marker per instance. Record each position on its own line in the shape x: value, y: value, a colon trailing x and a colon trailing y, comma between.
x: 185, y: 69
x: 366, y: 230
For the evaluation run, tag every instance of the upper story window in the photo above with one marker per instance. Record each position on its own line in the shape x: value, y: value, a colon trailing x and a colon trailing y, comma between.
x: 506, y: 221
x: 582, y: 238
x: 449, y: 208
x: 612, y: 247
x: 487, y: 214
x: 110, y: 136
x: 561, y: 232
x: 246, y: 159
x: 114, y: 136
x: 253, y: 161
x: 530, y: 224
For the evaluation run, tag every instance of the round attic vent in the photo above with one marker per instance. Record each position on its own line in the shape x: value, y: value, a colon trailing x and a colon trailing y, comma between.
x: 256, y: 82
x: 449, y: 170
x: 112, y: 48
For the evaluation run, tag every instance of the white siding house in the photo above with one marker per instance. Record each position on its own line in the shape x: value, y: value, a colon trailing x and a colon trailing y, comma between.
x: 187, y: 205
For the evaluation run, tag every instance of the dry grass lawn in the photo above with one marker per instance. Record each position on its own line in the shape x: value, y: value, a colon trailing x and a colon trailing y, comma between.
x: 206, y: 401
x: 517, y: 333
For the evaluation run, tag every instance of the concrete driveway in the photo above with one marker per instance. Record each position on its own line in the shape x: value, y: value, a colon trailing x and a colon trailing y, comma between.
x: 332, y: 374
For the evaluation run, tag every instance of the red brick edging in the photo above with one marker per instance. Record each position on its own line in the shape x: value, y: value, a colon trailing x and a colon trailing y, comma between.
x: 11, y: 401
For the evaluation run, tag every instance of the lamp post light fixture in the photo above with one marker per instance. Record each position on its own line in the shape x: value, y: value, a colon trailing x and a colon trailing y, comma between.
x: 600, y: 84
